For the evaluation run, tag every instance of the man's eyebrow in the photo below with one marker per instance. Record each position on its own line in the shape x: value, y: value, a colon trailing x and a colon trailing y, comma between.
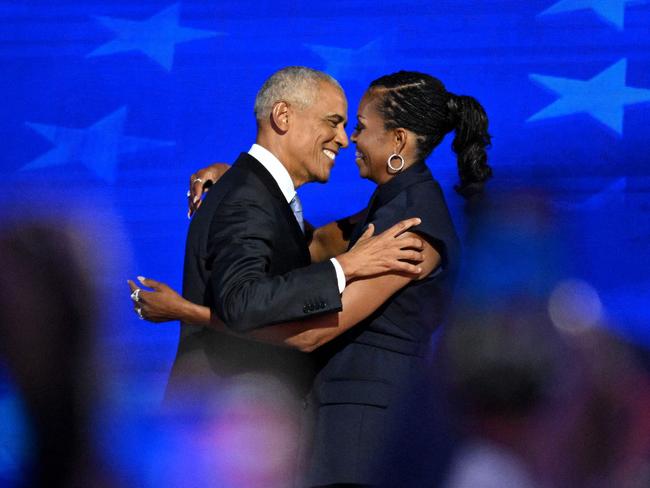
x: 336, y: 118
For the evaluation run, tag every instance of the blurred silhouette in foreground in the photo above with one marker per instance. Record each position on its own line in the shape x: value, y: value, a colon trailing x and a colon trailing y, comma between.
x: 528, y: 387
x: 47, y: 306
x: 538, y: 407
x: 88, y: 423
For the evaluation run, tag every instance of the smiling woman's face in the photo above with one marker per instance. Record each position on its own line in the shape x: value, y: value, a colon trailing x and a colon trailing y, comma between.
x: 373, y: 142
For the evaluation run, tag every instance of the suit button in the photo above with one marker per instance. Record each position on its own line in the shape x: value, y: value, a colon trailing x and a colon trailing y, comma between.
x: 305, y: 309
x: 323, y: 304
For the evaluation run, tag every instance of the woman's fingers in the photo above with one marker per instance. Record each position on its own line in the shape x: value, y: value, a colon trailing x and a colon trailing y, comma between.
x: 200, y: 183
x: 138, y: 294
x: 153, y: 284
x: 197, y: 188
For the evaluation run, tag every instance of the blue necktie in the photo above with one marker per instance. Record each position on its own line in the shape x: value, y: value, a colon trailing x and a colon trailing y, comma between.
x: 296, y: 207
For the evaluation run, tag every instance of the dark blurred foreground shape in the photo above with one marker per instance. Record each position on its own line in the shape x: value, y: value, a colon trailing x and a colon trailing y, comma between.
x: 90, y: 423
x: 47, y: 307
x: 537, y: 407
x: 528, y: 386
x: 515, y: 402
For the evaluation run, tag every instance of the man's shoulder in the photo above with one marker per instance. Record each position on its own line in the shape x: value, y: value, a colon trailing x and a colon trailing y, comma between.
x: 239, y: 182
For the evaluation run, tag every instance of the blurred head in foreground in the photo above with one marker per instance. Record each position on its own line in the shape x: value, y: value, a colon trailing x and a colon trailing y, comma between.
x: 537, y: 406
x: 46, y: 318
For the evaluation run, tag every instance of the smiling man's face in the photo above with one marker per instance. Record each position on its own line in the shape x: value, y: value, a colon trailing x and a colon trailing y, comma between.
x: 318, y: 133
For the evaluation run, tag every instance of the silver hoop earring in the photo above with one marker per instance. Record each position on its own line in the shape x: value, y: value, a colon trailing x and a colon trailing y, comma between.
x: 401, y: 164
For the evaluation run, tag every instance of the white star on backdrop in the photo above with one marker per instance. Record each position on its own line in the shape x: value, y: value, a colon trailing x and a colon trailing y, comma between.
x: 603, y: 97
x: 610, y: 10
x: 345, y: 63
x: 96, y: 147
x: 156, y: 36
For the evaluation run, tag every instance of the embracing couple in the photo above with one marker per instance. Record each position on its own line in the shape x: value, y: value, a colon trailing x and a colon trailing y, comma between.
x: 343, y: 313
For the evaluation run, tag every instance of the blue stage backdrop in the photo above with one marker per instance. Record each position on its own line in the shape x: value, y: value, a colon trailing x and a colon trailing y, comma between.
x: 108, y: 107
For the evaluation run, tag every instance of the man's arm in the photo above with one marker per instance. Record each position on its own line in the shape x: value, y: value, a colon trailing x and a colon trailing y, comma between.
x: 241, y: 247
x: 332, y: 239
x: 359, y: 300
x: 324, y: 242
x: 247, y: 297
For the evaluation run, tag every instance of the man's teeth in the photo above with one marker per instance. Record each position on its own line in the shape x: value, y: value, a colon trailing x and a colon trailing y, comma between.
x: 329, y: 154
x: 358, y: 155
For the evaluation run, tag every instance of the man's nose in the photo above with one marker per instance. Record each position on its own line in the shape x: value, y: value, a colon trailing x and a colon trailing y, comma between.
x: 342, y: 137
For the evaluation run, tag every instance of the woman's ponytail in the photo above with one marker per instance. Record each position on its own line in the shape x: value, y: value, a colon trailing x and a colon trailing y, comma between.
x: 470, y: 142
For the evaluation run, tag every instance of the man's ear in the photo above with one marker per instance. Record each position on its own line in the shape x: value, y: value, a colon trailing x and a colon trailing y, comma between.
x: 280, y: 116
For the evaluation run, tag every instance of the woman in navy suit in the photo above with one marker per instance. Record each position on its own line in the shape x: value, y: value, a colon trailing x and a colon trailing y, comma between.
x: 366, y: 369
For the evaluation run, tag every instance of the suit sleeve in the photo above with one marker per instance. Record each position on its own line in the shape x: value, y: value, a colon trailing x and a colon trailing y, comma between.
x: 246, y: 296
x: 436, y: 225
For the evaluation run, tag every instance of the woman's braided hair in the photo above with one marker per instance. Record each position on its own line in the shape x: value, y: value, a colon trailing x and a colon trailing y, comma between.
x: 420, y: 103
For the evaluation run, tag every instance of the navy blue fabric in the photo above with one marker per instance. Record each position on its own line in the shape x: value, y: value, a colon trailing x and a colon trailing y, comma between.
x: 233, y: 250
x: 366, y: 371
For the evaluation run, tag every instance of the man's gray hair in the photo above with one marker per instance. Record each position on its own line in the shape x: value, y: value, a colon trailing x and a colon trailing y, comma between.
x: 294, y: 84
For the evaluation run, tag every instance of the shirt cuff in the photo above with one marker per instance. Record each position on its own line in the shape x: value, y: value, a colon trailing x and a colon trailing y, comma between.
x: 340, y: 275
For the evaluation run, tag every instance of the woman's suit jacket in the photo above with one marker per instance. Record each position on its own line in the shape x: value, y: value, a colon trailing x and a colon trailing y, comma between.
x: 365, y: 373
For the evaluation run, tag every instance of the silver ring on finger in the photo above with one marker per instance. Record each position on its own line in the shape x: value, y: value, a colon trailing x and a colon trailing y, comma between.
x: 135, y: 296
x: 138, y: 310
x: 197, y: 180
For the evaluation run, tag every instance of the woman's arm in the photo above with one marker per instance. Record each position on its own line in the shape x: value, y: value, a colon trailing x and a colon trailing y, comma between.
x: 360, y: 298
x: 326, y: 242
x: 332, y: 239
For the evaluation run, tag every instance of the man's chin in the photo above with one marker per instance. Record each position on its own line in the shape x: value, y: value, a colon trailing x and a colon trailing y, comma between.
x: 322, y: 178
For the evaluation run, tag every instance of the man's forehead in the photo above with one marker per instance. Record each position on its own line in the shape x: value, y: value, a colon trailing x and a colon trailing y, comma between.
x: 332, y: 101
x: 329, y: 88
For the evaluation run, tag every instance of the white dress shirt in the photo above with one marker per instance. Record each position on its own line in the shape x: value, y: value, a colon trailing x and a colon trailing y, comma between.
x: 283, y: 179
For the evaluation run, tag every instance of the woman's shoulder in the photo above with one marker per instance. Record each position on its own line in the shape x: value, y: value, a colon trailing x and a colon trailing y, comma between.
x: 427, y: 197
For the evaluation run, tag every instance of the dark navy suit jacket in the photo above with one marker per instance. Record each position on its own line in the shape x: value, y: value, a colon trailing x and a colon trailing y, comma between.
x: 367, y: 372
x: 247, y: 259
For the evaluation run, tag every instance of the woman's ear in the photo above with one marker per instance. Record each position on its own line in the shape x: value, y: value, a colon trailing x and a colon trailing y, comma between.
x: 400, y: 138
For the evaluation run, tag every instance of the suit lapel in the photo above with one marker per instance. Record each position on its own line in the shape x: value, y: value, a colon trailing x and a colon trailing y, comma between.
x: 383, y: 194
x: 362, y: 224
x: 247, y: 162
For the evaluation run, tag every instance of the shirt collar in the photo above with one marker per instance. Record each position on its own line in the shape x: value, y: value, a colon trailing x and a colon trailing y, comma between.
x: 276, y: 169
